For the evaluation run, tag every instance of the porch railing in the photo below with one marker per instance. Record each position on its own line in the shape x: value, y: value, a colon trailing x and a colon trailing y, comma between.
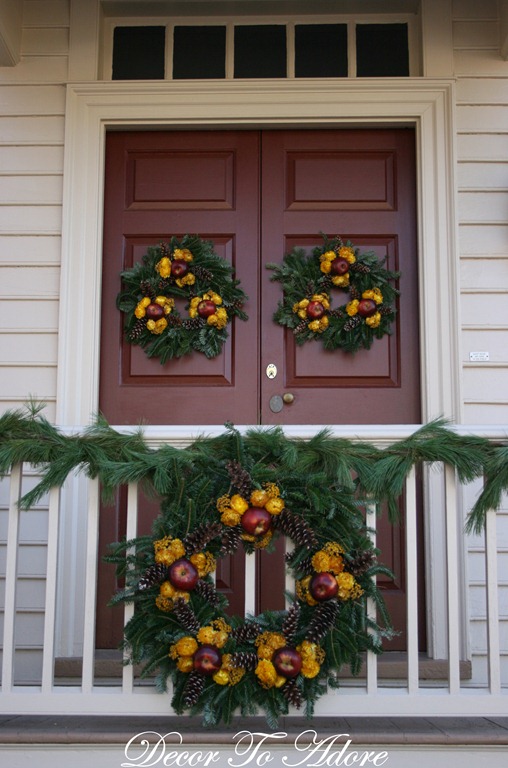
x: 452, y: 693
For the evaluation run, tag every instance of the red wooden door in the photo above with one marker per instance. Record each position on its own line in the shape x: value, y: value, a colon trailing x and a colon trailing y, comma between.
x: 257, y: 195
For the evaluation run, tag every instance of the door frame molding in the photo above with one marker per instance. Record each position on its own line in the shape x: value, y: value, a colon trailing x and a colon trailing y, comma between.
x: 92, y: 108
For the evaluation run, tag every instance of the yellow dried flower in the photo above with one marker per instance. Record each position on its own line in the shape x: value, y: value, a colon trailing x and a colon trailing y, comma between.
x: 140, y: 310
x: 275, y: 506
x: 167, y: 550
x: 274, y: 639
x: 328, y: 256
x: 374, y: 320
x: 302, y: 591
x: 341, y: 281
x: 349, y: 589
x: 272, y: 490
x: 239, y: 504
x: 325, y: 267
x: 310, y: 668
x: 185, y: 646
x: 185, y: 664
x: 374, y: 294
x: 230, y: 517
x: 352, y: 307
x: 259, y: 498
x: 266, y: 673
x: 219, y: 319
x: 345, y: 252
x: 221, y: 677
x: 321, y: 561
x: 206, y: 635
x: 189, y: 279
x: 204, y: 562
x: 166, y: 589
x: 223, y: 503
x: 163, y: 267
x: 182, y: 253
x: 164, y: 603
x: 157, y: 326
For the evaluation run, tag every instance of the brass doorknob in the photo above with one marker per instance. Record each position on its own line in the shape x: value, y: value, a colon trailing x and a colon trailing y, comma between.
x: 288, y: 397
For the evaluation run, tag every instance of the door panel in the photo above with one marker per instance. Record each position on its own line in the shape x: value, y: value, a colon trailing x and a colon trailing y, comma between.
x: 163, y: 184
x: 257, y: 195
x: 362, y: 188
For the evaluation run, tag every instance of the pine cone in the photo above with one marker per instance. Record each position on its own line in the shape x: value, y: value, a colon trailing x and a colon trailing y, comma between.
x: 240, y: 478
x: 361, y: 563
x: 305, y: 567
x: 231, y: 538
x: 193, y: 688
x: 165, y: 249
x: 173, y: 321
x: 147, y: 289
x: 202, y: 273
x: 192, y: 323
x: 352, y: 323
x: 296, y: 528
x: 337, y: 313
x: 354, y: 293
x: 360, y: 267
x: 186, y: 616
x: 200, y: 537
x: 385, y: 309
x: 322, y: 620
x: 292, y: 693
x: 246, y: 632
x: 137, y: 330
x: 300, y: 328
x: 247, y: 660
x: 156, y: 574
x: 208, y: 592
x: 326, y: 283
x: 290, y: 623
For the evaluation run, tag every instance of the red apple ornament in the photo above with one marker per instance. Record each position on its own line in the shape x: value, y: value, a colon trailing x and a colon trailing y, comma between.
x: 287, y: 662
x: 179, y: 268
x: 323, y: 586
x: 207, y: 660
x: 367, y: 307
x: 206, y: 308
x: 256, y: 521
x: 154, y: 312
x: 339, y: 266
x: 315, y: 310
x: 183, y: 575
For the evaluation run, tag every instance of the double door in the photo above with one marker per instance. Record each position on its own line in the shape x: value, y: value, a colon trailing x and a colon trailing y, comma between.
x: 256, y: 195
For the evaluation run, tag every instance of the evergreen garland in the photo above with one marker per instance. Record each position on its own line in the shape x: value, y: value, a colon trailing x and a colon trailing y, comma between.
x: 306, y: 491
x: 188, y: 270
x: 310, y: 287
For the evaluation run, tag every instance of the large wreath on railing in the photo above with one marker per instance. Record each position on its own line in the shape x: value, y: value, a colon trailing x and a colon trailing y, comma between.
x: 310, y: 284
x: 187, y: 269
x: 221, y: 664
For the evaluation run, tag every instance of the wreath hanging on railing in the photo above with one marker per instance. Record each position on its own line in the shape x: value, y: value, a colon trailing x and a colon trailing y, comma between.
x: 187, y: 269
x: 310, y: 282
x: 221, y: 664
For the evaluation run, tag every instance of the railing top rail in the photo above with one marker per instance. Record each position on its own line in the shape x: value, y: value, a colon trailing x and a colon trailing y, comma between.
x: 380, y: 434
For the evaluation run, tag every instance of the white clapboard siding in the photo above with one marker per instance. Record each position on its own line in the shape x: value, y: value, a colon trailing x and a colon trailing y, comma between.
x: 31, y: 159
x: 32, y: 100
x: 482, y: 186
x: 17, y: 345
x: 31, y: 218
x: 37, y: 69
x: 45, y: 13
x: 32, y: 129
x: 41, y: 188
x: 45, y: 42
x: 28, y: 313
x: 30, y: 278
x: 31, y: 248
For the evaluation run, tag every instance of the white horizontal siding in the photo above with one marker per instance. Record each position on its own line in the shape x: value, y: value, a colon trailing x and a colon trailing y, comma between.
x: 482, y: 186
x: 45, y: 13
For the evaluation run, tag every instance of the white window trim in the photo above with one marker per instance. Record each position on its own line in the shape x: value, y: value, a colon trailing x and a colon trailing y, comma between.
x: 92, y: 108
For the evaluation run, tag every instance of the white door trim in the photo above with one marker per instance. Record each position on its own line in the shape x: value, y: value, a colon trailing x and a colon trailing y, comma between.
x: 93, y: 107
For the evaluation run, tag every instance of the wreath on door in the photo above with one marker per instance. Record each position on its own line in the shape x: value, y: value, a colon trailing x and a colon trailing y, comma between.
x: 220, y: 664
x: 311, y: 284
x: 190, y: 270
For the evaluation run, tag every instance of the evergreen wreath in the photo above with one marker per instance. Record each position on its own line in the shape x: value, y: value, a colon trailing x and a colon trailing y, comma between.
x: 220, y: 664
x: 186, y: 269
x: 308, y: 283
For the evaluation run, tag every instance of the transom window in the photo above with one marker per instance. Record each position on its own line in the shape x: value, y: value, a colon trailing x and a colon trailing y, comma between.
x: 260, y: 48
